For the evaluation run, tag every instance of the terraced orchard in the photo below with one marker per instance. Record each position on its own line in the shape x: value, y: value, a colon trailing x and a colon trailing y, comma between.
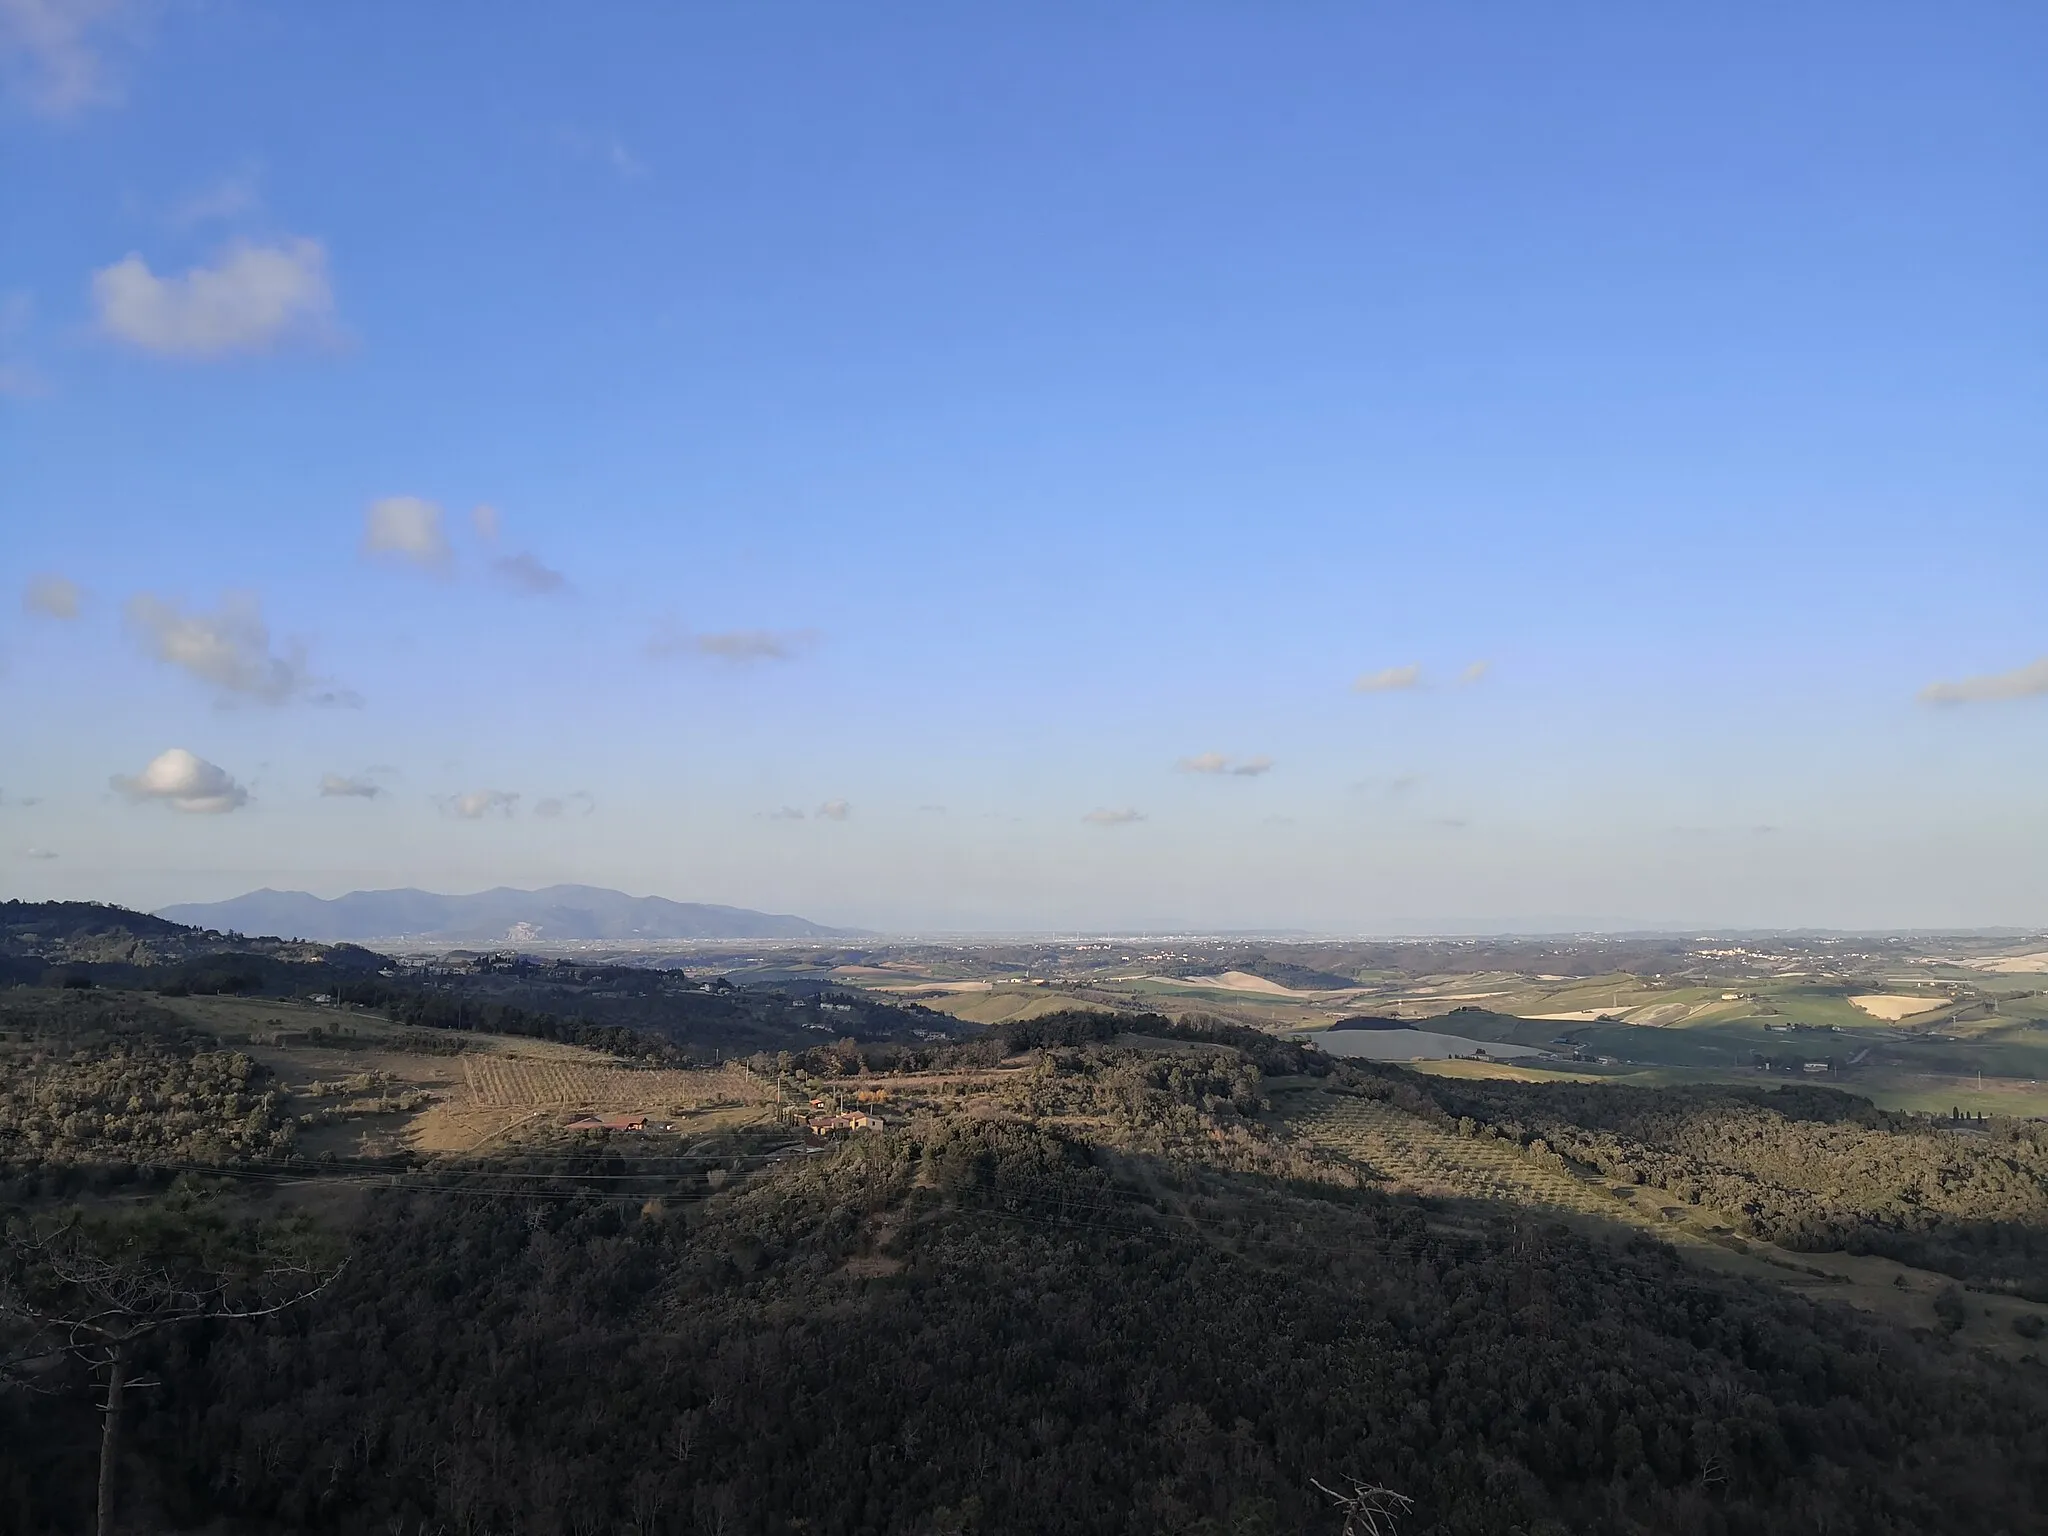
x: 512, y: 1082
x: 1414, y: 1155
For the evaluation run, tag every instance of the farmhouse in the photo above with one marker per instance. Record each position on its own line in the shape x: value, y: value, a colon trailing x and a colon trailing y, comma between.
x: 609, y: 1123
x: 849, y: 1120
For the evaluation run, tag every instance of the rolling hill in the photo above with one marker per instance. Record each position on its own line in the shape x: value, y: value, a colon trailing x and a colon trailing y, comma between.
x: 556, y: 913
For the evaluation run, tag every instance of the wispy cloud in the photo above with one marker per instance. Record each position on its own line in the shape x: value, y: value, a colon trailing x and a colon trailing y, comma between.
x: 476, y: 804
x: 1105, y: 817
x: 786, y: 813
x: 184, y: 782
x: 1389, y: 680
x: 524, y: 573
x: 485, y: 519
x: 607, y: 149
x: 223, y: 200
x: 1475, y: 672
x: 349, y: 786
x: 19, y: 377
x: 37, y: 853
x: 2030, y: 681
x: 554, y: 807
x: 254, y: 298
x: 1219, y: 763
x: 835, y: 810
x: 739, y: 646
x: 52, y: 596
x: 407, y: 528
x: 229, y: 649
x: 53, y: 52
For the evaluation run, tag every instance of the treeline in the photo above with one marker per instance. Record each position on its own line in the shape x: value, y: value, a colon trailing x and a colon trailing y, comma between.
x: 453, y: 1009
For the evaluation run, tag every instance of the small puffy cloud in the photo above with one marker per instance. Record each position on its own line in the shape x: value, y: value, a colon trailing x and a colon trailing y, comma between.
x: 933, y: 810
x: 184, y: 782
x: 53, y: 52
x: 2030, y: 681
x: 554, y: 807
x: 1390, y: 680
x: 254, y: 298
x: 476, y: 804
x: 52, y: 596
x: 406, y: 528
x: 526, y: 574
x: 349, y: 787
x: 37, y: 853
x: 485, y: 520
x: 834, y: 810
x: 1113, y: 818
x: 1475, y: 672
x: 1234, y: 767
x: 787, y: 813
x: 229, y: 649
x: 739, y: 646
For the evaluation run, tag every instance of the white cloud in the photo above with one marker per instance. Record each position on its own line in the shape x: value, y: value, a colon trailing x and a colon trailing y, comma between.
x: 485, y: 520
x: 406, y: 528
x: 253, y: 298
x: 1218, y: 763
x: 184, y: 783
x: 476, y: 804
x: 2030, y: 681
x: 1113, y: 818
x: 527, y: 574
x: 1475, y: 672
x: 52, y: 52
x: 787, y: 813
x: 52, y: 596
x: 834, y: 810
x: 37, y: 853
x: 349, y: 786
x: 740, y: 646
x: 1391, y: 680
x: 229, y: 649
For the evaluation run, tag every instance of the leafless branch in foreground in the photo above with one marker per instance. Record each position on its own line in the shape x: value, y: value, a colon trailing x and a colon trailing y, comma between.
x: 1369, y: 1510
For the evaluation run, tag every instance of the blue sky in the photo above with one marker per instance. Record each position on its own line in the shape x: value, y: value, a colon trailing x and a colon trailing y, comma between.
x: 982, y: 431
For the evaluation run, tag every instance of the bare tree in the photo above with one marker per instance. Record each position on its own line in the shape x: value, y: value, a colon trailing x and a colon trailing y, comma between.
x: 1369, y: 1510
x: 78, y: 1302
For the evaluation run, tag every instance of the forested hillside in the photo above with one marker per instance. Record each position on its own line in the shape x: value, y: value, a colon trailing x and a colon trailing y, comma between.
x: 1082, y: 1280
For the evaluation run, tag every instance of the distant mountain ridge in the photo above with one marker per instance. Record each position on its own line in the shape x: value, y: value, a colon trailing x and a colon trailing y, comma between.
x: 553, y: 914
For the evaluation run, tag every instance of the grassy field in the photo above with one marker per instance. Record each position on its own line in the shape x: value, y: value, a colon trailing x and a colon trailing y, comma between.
x: 479, y: 1088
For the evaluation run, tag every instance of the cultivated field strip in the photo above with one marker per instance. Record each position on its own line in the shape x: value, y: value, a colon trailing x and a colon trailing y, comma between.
x: 497, y: 1082
x: 1418, y: 1156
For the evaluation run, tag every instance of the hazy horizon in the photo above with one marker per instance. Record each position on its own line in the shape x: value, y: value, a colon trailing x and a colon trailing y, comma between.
x: 977, y: 473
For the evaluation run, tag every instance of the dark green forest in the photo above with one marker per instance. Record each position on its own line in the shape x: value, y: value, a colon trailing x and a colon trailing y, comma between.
x: 1080, y: 1283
